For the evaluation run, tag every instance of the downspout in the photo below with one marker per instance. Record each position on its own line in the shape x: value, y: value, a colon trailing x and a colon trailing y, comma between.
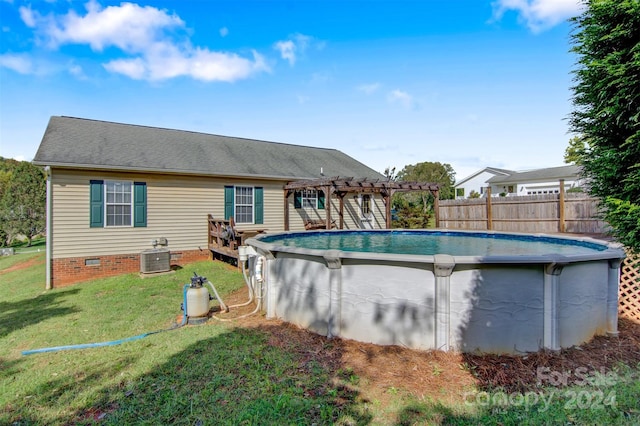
x: 49, y: 240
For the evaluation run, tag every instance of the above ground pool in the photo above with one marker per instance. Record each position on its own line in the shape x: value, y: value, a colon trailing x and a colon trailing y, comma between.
x: 450, y: 290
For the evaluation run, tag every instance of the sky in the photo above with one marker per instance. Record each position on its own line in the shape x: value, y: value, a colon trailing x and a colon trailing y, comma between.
x: 471, y: 83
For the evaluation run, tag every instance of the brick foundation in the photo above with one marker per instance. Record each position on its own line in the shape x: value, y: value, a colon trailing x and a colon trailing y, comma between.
x: 71, y: 270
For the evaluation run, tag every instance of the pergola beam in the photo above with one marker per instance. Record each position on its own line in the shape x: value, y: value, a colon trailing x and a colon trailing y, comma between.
x: 344, y: 185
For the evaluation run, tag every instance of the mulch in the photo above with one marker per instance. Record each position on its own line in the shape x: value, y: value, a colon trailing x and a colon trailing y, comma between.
x: 448, y: 375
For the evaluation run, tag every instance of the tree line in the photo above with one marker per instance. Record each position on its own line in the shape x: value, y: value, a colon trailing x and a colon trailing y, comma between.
x: 22, y: 201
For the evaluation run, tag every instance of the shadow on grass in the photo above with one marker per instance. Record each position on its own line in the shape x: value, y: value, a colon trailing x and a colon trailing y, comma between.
x: 59, y: 391
x: 238, y: 377
x: 23, y: 313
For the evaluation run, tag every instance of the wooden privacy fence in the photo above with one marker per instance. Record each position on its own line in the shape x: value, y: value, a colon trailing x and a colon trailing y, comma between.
x: 546, y: 213
x: 629, y: 293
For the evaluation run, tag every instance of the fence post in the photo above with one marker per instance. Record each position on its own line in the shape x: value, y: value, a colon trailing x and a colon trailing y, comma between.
x: 489, y: 217
x: 561, y: 224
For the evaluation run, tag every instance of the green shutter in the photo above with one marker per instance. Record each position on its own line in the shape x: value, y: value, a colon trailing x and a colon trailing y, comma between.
x: 258, y: 204
x: 139, y: 204
x: 228, y: 202
x: 96, y: 201
x: 297, y: 200
x: 320, y: 199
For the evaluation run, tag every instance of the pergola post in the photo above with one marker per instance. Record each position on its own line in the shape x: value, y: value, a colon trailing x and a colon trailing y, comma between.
x: 436, y: 206
x: 328, y: 190
x: 341, y: 207
x: 387, y: 196
x: 286, y: 209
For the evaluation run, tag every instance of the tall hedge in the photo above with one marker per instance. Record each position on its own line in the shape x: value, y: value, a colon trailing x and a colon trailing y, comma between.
x: 606, y: 113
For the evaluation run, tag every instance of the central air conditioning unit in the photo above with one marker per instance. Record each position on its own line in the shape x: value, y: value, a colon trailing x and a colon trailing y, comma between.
x: 155, y: 260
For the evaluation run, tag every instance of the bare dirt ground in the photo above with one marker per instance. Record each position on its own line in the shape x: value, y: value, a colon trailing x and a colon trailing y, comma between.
x: 23, y: 265
x: 445, y: 376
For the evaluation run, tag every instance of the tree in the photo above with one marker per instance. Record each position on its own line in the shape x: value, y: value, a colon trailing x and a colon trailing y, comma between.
x: 576, y: 150
x: 606, y: 111
x: 22, y: 206
x: 390, y: 174
x: 434, y: 172
x: 415, y: 208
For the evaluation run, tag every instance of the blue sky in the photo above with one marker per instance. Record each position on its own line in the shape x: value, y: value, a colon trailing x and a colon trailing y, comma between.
x: 472, y: 83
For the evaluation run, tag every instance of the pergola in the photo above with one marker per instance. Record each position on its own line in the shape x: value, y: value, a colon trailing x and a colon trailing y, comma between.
x: 342, y: 186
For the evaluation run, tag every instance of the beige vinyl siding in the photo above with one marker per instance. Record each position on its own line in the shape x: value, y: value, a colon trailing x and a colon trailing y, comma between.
x: 352, y: 211
x: 177, y: 208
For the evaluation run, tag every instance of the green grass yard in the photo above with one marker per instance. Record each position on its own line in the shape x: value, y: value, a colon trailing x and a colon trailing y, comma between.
x: 221, y: 373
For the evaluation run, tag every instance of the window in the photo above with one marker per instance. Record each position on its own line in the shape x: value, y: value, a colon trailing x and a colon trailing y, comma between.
x: 117, y: 204
x: 244, y: 204
x: 366, y: 205
x: 308, y: 199
x: 459, y: 192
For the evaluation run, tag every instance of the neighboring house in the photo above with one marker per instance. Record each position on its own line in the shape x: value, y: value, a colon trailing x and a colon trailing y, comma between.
x: 529, y: 182
x: 539, y: 181
x: 477, y: 182
x: 114, y: 188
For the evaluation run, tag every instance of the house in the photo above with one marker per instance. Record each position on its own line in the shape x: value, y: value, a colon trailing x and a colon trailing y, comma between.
x: 113, y: 189
x: 529, y: 182
x: 538, y: 181
x: 477, y: 182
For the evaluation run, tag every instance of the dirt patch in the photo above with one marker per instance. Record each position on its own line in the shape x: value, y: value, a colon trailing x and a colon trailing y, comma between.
x: 34, y: 261
x: 381, y: 371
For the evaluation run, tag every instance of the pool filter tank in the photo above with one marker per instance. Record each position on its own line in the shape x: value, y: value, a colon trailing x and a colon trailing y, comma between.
x: 198, y: 298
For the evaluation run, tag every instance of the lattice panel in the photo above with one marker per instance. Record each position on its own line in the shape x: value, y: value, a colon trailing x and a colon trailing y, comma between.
x: 629, y: 297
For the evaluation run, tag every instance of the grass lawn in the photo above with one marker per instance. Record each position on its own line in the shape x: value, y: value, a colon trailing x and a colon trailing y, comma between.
x: 234, y: 373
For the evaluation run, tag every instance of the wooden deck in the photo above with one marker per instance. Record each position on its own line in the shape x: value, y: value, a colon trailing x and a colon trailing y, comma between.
x: 224, y: 238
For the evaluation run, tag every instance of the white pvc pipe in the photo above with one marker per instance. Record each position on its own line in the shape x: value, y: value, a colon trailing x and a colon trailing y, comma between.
x: 49, y: 231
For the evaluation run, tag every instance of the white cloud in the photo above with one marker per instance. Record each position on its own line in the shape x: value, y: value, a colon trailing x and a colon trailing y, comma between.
x: 200, y: 64
x: 369, y: 88
x: 148, y: 38
x: 224, y: 31
x: 19, y: 63
x: 292, y: 48
x: 132, y: 68
x: 129, y: 27
x: 538, y: 15
x: 402, y: 98
x: 27, y: 16
x: 287, y: 50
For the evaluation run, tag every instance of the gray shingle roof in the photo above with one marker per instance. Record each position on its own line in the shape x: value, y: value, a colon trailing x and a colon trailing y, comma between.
x: 493, y: 170
x: 550, y: 173
x: 92, y: 144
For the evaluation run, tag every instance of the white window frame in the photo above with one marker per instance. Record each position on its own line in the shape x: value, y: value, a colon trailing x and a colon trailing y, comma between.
x: 107, y: 203
x: 309, y: 198
x: 366, y: 206
x: 236, y: 204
